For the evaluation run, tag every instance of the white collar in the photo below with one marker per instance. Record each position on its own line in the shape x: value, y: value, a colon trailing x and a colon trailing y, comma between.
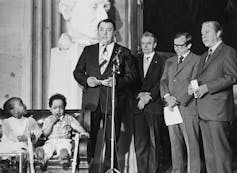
x: 213, y: 48
x: 185, y: 55
x: 149, y: 55
x: 107, y: 45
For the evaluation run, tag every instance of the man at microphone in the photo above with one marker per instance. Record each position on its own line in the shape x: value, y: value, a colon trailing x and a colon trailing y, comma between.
x: 94, y: 72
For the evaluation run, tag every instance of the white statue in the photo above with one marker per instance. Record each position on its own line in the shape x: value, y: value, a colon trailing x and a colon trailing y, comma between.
x: 82, y: 18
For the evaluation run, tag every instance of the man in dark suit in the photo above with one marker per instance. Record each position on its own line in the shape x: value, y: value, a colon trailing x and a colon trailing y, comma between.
x: 217, y: 73
x: 148, y: 106
x: 178, y: 73
x: 94, y: 71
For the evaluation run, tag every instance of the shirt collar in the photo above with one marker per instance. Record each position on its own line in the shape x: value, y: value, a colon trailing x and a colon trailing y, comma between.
x: 149, y: 55
x: 108, y: 46
x: 213, y: 48
x: 185, y: 55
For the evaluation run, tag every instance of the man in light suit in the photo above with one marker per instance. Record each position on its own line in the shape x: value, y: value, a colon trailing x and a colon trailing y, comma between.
x: 94, y: 71
x: 217, y: 73
x: 179, y: 71
x: 148, y: 106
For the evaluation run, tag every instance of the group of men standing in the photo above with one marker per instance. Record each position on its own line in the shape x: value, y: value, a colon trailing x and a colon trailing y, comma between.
x: 207, y: 108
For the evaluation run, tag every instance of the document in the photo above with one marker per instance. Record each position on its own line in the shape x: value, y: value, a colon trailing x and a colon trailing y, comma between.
x: 172, y: 117
x: 194, y: 84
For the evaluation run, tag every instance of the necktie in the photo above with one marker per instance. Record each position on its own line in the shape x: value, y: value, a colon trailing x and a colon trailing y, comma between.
x: 181, y: 58
x: 146, y: 65
x: 103, y: 60
x: 208, y: 54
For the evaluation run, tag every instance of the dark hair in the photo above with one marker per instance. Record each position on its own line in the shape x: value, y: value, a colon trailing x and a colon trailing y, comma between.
x: 107, y: 21
x: 186, y: 35
x: 9, y: 104
x: 149, y: 34
x: 217, y: 26
x: 57, y: 97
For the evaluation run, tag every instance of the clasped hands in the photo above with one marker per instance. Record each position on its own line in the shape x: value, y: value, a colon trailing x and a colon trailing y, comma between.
x: 144, y: 98
x: 93, y: 81
x: 199, y: 92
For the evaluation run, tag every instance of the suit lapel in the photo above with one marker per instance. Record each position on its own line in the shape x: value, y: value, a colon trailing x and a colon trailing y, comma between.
x: 152, y: 65
x: 183, y: 64
x: 95, y: 55
x: 140, y: 66
x: 211, y: 58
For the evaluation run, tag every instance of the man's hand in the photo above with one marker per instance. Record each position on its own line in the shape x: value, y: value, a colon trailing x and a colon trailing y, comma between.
x: 201, y: 91
x: 145, y: 97
x: 107, y: 82
x: 190, y: 89
x: 171, y: 101
x: 141, y: 104
x: 93, y: 82
x: 142, y: 94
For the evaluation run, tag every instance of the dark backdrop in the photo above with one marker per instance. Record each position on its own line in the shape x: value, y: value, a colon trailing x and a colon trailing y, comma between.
x: 165, y: 17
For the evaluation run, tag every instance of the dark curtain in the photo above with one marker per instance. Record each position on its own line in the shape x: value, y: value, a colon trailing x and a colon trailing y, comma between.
x: 165, y: 17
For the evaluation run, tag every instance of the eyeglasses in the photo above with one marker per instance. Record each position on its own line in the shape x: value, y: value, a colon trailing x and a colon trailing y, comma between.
x: 179, y: 45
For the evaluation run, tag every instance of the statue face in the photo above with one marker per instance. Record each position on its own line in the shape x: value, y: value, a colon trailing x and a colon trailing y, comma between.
x: 107, y: 5
x: 106, y: 33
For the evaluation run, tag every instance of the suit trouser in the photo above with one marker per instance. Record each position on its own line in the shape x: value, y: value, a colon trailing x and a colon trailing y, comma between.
x: 146, y: 137
x: 217, y: 150
x: 181, y: 135
x: 96, y: 117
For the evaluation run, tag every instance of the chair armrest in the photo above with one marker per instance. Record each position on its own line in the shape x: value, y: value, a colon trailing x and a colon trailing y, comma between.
x: 83, y: 154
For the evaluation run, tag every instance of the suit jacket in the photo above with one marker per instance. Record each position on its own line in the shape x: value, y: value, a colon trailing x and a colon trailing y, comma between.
x: 219, y: 73
x: 88, y: 65
x: 176, y: 79
x: 150, y: 83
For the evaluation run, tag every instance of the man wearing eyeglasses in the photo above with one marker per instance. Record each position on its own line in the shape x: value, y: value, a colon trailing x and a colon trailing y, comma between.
x: 179, y: 71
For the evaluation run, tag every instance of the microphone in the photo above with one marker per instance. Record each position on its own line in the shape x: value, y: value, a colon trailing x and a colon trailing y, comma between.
x: 116, y: 61
x: 116, y: 58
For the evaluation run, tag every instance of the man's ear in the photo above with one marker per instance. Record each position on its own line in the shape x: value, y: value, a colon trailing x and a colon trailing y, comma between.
x: 189, y: 46
x: 218, y: 34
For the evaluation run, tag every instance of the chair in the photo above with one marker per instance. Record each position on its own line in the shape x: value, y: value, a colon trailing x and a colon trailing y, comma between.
x: 15, y: 162
x: 79, y: 154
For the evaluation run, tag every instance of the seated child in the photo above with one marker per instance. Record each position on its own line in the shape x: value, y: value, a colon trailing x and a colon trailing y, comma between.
x: 57, y: 128
x: 17, y: 128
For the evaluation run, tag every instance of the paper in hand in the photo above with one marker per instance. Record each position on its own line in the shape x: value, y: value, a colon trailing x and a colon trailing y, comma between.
x: 172, y: 117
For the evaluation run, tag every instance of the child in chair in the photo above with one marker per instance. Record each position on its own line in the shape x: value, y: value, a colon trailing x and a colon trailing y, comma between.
x: 17, y: 129
x: 57, y: 128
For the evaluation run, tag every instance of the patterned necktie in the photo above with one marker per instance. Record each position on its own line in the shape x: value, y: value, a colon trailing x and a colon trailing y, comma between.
x: 208, y: 54
x: 103, y: 60
x: 181, y: 58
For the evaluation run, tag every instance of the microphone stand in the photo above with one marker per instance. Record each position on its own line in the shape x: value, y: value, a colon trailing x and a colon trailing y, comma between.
x: 115, y: 70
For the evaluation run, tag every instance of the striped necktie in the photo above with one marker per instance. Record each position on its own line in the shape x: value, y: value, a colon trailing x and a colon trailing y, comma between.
x: 103, y: 60
x: 208, y: 54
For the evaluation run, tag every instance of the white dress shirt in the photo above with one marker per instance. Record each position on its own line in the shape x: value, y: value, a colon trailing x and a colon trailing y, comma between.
x: 147, y: 58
